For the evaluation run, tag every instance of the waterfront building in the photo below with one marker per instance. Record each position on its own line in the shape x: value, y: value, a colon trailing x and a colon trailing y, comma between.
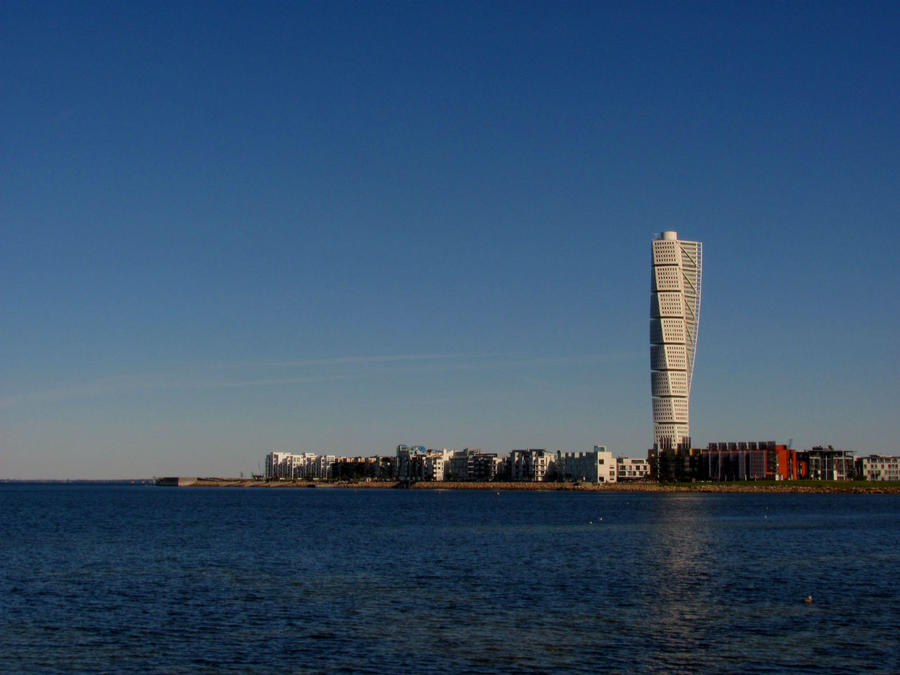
x: 674, y: 465
x: 435, y: 467
x: 676, y: 273
x: 752, y: 460
x: 437, y: 464
x: 878, y: 467
x: 410, y: 462
x: 415, y: 462
x: 458, y: 468
x: 371, y: 468
x: 308, y: 465
x: 319, y: 466
x: 362, y: 468
x: 632, y: 469
x: 474, y: 464
x: 290, y: 466
x: 285, y: 466
x: 533, y: 464
x: 274, y: 465
x: 595, y: 466
x: 484, y: 466
x: 829, y: 464
x: 789, y: 465
x: 740, y: 460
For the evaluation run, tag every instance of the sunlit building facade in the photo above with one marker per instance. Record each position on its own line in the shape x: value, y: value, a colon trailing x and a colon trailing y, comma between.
x: 595, y: 466
x: 675, y: 278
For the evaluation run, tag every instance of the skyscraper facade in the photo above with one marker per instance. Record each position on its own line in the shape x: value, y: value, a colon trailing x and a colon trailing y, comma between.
x: 675, y: 278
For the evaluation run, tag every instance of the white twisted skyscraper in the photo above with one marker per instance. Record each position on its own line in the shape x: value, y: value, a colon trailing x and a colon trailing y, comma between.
x: 674, y: 323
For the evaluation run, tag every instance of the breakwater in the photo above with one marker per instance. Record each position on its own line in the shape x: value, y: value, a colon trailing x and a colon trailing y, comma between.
x: 783, y: 487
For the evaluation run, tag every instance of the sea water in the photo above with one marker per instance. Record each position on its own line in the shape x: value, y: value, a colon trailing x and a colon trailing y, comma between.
x: 178, y: 580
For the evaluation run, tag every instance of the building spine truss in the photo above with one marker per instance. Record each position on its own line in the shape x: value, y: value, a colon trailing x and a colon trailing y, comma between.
x: 675, y: 277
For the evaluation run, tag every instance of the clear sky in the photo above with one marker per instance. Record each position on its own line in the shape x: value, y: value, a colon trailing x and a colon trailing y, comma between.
x: 229, y: 228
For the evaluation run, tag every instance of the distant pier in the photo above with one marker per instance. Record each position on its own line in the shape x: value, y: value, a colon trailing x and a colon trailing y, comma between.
x: 175, y: 481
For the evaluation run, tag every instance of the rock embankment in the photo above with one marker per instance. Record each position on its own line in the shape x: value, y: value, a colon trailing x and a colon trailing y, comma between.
x: 859, y: 487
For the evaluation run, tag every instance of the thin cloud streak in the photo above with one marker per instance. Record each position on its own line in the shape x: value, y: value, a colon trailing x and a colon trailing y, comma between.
x: 404, y: 363
x: 539, y: 362
x: 340, y: 360
x: 266, y: 382
x: 125, y: 383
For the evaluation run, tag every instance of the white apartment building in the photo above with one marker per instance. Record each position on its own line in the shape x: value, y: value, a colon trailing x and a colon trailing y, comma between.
x: 595, y: 466
x: 530, y: 465
x: 319, y: 466
x: 288, y: 466
x: 632, y: 469
x: 437, y: 464
x: 676, y: 273
x: 878, y: 467
x: 278, y: 464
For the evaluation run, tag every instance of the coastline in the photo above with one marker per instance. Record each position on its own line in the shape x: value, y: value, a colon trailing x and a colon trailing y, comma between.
x: 758, y: 487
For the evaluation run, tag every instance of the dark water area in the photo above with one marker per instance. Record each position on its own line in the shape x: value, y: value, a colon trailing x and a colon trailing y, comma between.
x: 178, y: 580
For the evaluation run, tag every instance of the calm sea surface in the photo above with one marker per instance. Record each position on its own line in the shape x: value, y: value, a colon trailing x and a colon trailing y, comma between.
x: 117, y: 579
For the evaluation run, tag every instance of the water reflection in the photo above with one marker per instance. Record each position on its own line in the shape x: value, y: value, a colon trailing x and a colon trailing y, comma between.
x: 683, y: 559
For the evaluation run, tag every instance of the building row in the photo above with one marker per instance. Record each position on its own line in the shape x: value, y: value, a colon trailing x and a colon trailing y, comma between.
x: 768, y: 460
x: 532, y: 465
x: 289, y: 466
x: 412, y: 463
x: 728, y: 461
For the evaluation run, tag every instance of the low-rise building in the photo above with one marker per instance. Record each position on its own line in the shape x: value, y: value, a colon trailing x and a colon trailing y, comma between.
x: 437, y: 464
x: 290, y: 466
x: 594, y: 466
x: 533, y: 464
x: 829, y: 464
x: 458, y: 464
x: 767, y: 460
x: 357, y: 468
x: 410, y: 462
x: 878, y: 467
x: 789, y: 465
x: 628, y: 468
x: 483, y: 466
x: 739, y: 460
x: 473, y: 464
x: 727, y: 461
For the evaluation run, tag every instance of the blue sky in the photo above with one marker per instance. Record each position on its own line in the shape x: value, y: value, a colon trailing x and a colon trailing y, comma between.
x: 227, y: 228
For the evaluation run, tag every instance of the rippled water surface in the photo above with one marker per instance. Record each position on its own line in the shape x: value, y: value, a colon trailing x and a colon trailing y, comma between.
x: 117, y: 579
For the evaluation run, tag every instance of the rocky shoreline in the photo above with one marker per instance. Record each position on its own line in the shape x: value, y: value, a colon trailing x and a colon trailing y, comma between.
x: 826, y: 487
